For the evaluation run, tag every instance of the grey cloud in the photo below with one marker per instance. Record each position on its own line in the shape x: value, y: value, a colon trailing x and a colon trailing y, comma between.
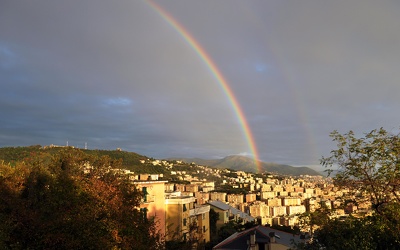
x: 116, y: 74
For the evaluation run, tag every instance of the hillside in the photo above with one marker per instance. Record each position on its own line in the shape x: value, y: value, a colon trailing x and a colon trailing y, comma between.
x: 132, y: 161
x: 237, y: 162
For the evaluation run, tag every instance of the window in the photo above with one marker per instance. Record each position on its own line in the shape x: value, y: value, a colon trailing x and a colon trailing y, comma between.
x: 145, y: 193
x: 203, y: 216
x: 184, y: 222
x: 184, y: 208
x: 204, y: 229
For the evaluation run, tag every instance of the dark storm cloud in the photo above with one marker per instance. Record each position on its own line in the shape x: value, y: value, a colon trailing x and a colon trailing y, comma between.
x: 116, y: 74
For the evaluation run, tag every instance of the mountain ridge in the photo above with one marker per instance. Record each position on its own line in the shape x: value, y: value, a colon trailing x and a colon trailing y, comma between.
x: 243, y: 163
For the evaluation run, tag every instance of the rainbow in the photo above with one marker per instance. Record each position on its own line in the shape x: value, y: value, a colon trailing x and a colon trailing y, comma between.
x: 200, y: 51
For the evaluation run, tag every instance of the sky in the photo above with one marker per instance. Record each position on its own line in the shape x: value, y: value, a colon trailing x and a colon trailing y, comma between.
x: 119, y: 74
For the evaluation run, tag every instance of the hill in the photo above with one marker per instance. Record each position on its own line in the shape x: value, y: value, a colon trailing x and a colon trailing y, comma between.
x: 243, y: 163
x: 130, y: 160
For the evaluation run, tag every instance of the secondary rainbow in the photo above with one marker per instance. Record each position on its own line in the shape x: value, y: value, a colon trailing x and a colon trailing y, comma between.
x: 200, y: 51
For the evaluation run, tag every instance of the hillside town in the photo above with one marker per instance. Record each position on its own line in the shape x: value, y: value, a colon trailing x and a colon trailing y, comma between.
x: 268, y: 200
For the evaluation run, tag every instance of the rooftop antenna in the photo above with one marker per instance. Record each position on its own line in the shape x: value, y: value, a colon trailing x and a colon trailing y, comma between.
x: 85, y: 145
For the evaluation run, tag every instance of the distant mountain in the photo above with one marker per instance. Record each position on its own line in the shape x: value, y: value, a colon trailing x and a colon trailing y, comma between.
x: 243, y: 163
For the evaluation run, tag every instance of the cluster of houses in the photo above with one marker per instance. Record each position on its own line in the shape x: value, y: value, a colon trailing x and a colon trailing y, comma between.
x: 180, y: 217
x: 182, y: 211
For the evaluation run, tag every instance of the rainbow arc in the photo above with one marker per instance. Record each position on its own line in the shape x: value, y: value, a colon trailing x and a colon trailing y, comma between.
x: 206, y: 58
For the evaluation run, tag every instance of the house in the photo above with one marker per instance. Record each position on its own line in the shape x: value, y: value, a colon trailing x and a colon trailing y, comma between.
x: 258, y: 238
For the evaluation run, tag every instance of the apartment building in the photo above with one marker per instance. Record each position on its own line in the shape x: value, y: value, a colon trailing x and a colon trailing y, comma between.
x: 217, y: 196
x: 200, y: 215
x: 260, y: 210
x: 293, y: 210
x: 235, y: 198
x: 291, y: 201
x: 251, y: 197
x: 277, y: 211
x: 202, y: 197
x: 267, y: 195
x: 153, y: 201
x: 275, y: 202
x: 185, y: 220
x: 177, y: 217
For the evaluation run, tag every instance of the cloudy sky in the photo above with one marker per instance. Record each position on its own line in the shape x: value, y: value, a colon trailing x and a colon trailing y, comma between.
x: 117, y: 74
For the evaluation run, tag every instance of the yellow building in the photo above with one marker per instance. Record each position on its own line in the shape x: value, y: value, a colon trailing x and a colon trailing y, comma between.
x: 250, y: 197
x: 292, y: 210
x: 275, y: 202
x: 217, y: 196
x: 267, y: 195
x: 260, y: 210
x: 186, y: 221
x: 201, y: 216
x: 153, y: 201
x: 235, y: 198
x: 201, y: 197
x: 287, y: 201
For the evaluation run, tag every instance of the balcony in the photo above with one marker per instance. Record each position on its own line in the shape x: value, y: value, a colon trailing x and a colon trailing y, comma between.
x: 148, y: 198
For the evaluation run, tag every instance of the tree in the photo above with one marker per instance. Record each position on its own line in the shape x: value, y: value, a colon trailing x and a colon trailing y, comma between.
x: 370, y: 164
x: 353, y: 233
x: 312, y: 220
x: 71, y: 201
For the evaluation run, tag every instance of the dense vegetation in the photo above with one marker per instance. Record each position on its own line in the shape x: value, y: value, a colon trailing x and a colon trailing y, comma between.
x: 129, y: 160
x: 370, y: 166
x: 69, y: 199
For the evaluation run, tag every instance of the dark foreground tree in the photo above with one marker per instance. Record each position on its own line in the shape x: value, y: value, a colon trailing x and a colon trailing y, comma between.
x: 352, y: 233
x: 71, y: 201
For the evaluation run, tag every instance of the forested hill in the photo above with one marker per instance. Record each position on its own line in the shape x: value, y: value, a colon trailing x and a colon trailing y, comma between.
x: 130, y: 160
x: 11, y: 154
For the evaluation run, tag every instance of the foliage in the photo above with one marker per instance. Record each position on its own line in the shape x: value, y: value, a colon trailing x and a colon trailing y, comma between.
x: 354, y: 233
x: 190, y: 240
x: 130, y: 160
x: 214, y: 217
x: 71, y: 200
x: 312, y: 220
x: 370, y: 166
x: 226, y: 188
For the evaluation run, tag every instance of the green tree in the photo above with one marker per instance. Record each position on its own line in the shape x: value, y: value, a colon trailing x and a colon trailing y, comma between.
x: 369, y: 165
